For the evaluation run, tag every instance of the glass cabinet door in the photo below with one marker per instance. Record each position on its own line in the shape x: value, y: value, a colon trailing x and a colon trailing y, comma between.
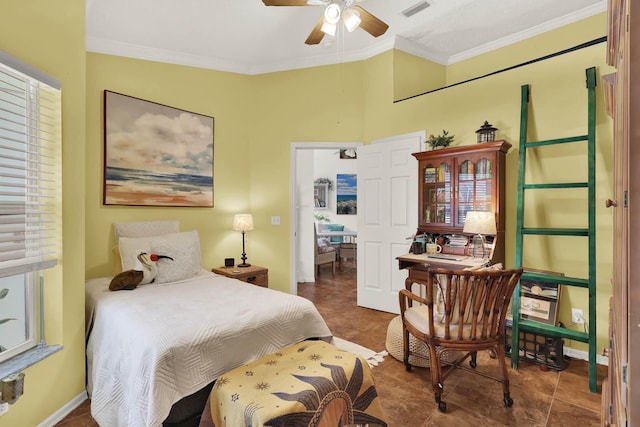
x: 474, y: 188
x: 436, y: 198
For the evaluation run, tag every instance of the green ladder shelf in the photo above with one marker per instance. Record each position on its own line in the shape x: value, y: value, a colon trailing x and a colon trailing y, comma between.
x: 519, y: 324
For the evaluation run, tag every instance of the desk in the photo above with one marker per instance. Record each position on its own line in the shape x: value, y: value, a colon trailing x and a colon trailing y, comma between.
x: 419, y: 264
x: 425, y: 261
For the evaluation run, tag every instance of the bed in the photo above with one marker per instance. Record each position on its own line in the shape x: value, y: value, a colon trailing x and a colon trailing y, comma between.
x: 158, y: 344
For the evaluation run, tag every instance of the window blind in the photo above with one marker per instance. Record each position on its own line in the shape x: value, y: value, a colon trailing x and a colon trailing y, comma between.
x: 30, y: 137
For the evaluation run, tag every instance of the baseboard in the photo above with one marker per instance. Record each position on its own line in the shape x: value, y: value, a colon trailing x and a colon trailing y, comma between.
x: 65, y: 410
x: 584, y: 355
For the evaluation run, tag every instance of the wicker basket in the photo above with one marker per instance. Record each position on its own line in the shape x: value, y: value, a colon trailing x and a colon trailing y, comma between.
x: 419, y: 350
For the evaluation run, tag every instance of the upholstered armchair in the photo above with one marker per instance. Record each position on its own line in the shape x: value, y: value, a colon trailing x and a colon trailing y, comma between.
x: 324, y: 253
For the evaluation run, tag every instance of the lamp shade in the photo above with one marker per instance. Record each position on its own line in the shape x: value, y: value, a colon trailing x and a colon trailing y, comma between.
x: 242, y: 222
x: 478, y: 222
x: 351, y: 19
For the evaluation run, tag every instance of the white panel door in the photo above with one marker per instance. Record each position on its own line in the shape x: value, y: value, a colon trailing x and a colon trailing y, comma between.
x: 387, y: 215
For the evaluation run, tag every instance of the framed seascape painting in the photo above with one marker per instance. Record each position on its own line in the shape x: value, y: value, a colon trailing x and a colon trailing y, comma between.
x: 156, y: 155
x: 346, y: 194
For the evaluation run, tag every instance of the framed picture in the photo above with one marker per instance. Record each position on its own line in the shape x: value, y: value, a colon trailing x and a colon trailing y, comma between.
x: 348, y: 153
x: 539, y: 300
x: 156, y: 155
x: 346, y: 194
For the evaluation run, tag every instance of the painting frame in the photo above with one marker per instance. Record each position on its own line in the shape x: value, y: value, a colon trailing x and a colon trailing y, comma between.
x: 346, y: 194
x: 539, y: 301
x: 348, y: 153
x: 156, y: 155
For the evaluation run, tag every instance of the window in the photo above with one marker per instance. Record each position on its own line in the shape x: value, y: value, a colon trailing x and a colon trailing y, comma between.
x: 30, y: 135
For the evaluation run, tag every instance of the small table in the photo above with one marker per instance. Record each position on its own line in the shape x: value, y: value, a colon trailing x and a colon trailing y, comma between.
x: 254, y: 274
x: 348, y: 236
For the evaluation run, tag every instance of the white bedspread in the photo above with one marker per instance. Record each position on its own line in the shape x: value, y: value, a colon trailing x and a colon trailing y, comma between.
x: 152, y: 346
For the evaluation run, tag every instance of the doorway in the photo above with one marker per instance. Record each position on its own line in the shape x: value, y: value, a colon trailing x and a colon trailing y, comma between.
x: 303, y: 204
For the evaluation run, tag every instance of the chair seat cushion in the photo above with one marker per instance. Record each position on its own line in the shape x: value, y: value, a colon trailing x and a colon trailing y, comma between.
x: 325, y: 246
x: 418, y: 317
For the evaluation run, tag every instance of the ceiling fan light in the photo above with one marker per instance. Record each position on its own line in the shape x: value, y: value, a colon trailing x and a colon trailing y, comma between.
x: 328, y: 28
x: 351, y: 19
x: 332, y: 13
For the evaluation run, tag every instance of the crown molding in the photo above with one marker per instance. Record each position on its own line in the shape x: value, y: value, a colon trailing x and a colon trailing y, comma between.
x: 553, y: 24
x: 112, y: 47
x: 117, y: 48
x: 416, y: 49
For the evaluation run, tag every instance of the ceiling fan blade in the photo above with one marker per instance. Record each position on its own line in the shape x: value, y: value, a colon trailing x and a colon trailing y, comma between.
x: 370, y: 23
x: 316, y: 34
x: 285, y: 2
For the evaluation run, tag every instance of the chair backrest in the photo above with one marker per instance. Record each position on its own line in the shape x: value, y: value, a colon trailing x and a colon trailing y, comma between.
x: 469, y: 305
x: 315, y: 241
x: 323, y: 254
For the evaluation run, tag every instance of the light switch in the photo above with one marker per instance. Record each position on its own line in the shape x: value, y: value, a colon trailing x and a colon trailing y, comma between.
x: 275, y: 220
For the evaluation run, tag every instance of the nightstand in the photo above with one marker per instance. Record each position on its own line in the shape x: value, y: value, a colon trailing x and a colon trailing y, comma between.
x: 255, y: 274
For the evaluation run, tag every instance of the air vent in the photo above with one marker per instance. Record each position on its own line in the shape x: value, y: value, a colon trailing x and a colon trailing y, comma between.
x: 420, y: 6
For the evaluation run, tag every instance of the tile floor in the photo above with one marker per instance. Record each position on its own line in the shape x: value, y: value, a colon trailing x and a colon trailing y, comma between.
x: 548, y: 398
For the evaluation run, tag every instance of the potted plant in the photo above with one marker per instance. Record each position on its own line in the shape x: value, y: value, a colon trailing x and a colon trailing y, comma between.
x: 321, y: 217
x: 440, y: 141
x: 320, y: 181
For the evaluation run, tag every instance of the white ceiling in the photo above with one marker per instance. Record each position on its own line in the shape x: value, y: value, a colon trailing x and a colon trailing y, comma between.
x: 245, y: 36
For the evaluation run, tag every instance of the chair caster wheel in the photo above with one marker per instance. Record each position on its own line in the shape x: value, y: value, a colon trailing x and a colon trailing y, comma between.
x: 508, y: 402
x: 473, y: 364
x: 442, y: 406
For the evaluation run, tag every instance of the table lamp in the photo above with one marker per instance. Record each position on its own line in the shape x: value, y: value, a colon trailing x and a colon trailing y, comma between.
x: 479, y: 224
x: 243, y: 223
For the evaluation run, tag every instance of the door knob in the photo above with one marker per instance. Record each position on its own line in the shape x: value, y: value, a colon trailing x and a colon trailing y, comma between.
x: 609, y: 203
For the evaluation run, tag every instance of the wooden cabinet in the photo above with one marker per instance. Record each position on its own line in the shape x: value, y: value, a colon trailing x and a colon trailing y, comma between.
x: 621, y: 390
x: 454, y: 181
x: 254, y: 274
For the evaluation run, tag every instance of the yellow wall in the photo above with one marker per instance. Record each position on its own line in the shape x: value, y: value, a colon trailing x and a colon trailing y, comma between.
x: 544, y: 44
x: 224, y: 96
x: 50, y: 36
x: 414, y: 75
x: 256, y: 119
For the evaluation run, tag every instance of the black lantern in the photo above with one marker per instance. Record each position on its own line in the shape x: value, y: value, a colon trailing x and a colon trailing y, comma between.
x: 486, y: 133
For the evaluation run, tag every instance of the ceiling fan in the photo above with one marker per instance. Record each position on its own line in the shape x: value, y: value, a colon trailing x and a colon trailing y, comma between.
x: 352, y: 16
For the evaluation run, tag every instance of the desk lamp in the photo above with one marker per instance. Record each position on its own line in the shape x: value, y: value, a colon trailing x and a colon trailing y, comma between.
x: 243, y: 222
x: 479, y: 224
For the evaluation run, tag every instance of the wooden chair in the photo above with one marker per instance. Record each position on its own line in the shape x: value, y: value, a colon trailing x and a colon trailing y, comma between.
x: 461, y: 311
x: 324, y: 255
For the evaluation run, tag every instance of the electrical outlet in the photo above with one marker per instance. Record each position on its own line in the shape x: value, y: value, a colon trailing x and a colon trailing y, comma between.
x: 576, y: 316
x: 275, y: 220
x: 4, y: 408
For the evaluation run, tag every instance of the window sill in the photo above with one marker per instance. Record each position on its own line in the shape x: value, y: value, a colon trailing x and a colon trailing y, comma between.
x: 24, y: 360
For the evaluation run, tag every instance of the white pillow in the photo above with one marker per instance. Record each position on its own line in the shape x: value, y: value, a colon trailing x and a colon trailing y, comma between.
x: 145, y: 229
x: 185, y: 242
x: 186, y: 262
